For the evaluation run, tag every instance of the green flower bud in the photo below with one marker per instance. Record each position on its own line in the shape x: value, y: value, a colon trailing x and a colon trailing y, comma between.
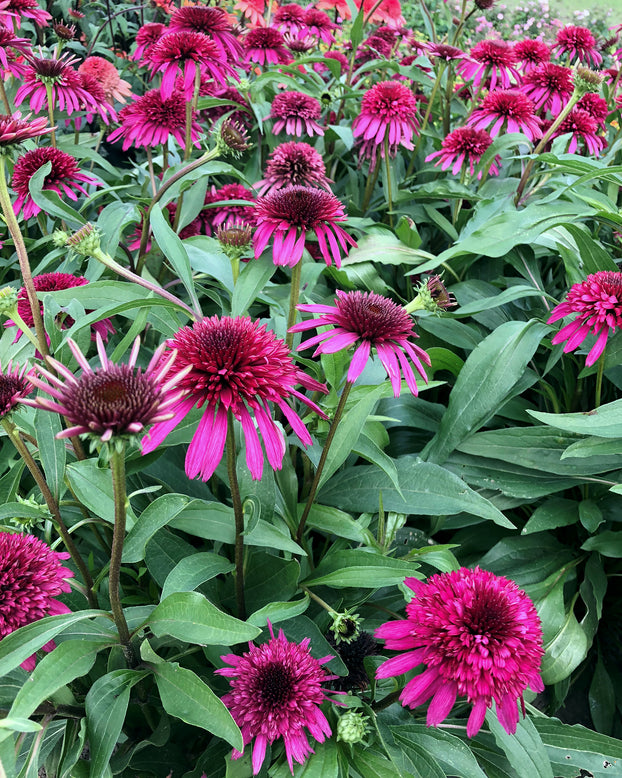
x: 586, y: 80
x: 8, y: 301
x: 352, y: 727
x: 59, y: 238
x: 86, y: 241
x: 345, y: 627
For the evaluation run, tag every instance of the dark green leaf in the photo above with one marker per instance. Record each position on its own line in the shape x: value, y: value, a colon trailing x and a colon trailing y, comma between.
x: 155, y: 516
x: 360, y: 569
x: 195, y: 570
x: 524, y: 750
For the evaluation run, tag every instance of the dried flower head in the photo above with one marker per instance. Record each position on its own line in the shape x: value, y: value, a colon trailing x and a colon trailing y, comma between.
x: 479, y: 636
x: 232, y: 139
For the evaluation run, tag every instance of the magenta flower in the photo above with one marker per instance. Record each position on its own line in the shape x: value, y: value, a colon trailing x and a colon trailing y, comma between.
x: 111, y: 401
x: 506, y: 110
x: 186, y: 54
x: 444, y: 51
x: 296, y: 112
x: 492, y: 59
x: 31, y: 576
x: 549, y: 86
x: 480, y: 637
x: 55, y: 282
x: 15, y: 130
x: 98, y: 96
x: 388, y: 115
x: 597, y: 303
x: 290, y: 214
x: 531, y: 53
x: 319, y: 24
x: 577, y: 43
x: 211, y: 21
x: 64, y: 178
x: 323, y: 69
x: 12, y: 50
x: 237, y: 366
x: 150, y: 120
x: 225, y: 214
x: 13, y: 11
x: 67, y: 91
x: 368, y: 319
x: 14, y: 386
x: 289, y: 19
x: 595, y: 105
x: 293, y: 164
x: 465, y: 145
x: 266, y: 45
x: 146, y: 38
x: 276, y: 691
x: 584, y: 127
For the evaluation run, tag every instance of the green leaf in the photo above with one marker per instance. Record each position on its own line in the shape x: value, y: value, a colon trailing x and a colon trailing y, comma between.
x: 594, y: 447
x: 173, y: 249
x: 185, y: 696
x: 49, y: 201
x: 602, y: 699
x: 556, y: 512
x: 427, y: 489
x: 323, y: 763
x: 361, y: 569
x: 572, y: 748
x: 51, y: 451
x: 384, y: 247
x: 69, y: 660
x: 194, y: 571
x: 485, y: 383
x: 524, y: 750
x: 25, y: 641
x: 604, y: 422
x: 279, y: 611
x: 106, y: 705
x: 372, y: 765
x: 190, y: 617
x: 565, y: 642
x: 253, y: 278
x: 156, y: 515
x: 335, y: 522
x: 93, y: 487
x: 594, y: 256
x: 486, y: 303
x: 608, y: 543
x: 449, y: 751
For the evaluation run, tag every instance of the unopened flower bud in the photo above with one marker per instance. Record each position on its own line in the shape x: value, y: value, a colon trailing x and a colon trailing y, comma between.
x: 235, y: 239
x: 345, y: 627
x: 484, y: 5
x: 431, y: 296
x: 8, y: 300
x: 352, y: 727
x: 86, y: 241
x: 59, y: 238
x: 65, y: 32
x: 232, y: 139
x: 586, y: 80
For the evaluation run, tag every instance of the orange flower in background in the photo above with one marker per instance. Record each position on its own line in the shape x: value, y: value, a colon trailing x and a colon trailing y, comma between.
x: 253, y: 10
x: 389, y: 11
x: 106, y: 74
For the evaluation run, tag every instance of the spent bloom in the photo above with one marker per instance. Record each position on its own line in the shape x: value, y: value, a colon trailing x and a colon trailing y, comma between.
x: 465, y: 145
x: 577, y: 43
x: 64, y: 177
x: 293, y: 164
x: 236, y: 366
x: 492, y: 59
x: 150, y: 120
x: 596, y: 304
x: 367, y: 319
x: 109, y: 401
x: 292, y: 213
x: 506, y: 110
x: 296, y: 113
x: 276, y: 692
x: 31, y: 577
x: 479, y: 636
x: 388, y: 117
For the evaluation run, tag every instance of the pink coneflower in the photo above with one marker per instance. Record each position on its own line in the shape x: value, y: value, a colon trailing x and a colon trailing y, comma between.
x: 578, y: 44
x: 150, y: 120
x: 10, y: 48
x: 296, y: 113
x: 239, y: 113
x: 67, y: 92
x: 368, y: 319
x: 226, y: 214
x: 293, y: 164
x: 597, y: 303
x: 187, y: 54
x: 266, y: 45
x: 12, y: 12
x: 15, y: 130
x: 111, y: 401
x: 444, y: 51
x: 595, y: 105
x: 531, y: 53
x: 55, y: 282
x: 492, y: 59
x: 506, y: 110
x: 292, y: 213
x: 31, y: 576
x: 106, y: 74
x: 146, y: 39
x: 14, y: 387
x: 480, y: 637
x: 298, y: 45
x: 388, y: 117
x: 549, y: 86
x: 289, y: 19
x: 319, y: 24
x: 343, y: 61
x: 98, y: 98
x: 211, y: 21
x: 276, y: 691
x: 64, y: 178
x: 373, y: 48
x: 237, y: 366
x: 463, y: 145
x: 584, y: 127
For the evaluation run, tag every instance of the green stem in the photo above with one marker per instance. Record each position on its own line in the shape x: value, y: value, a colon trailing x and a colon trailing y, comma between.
x: 294, y: 296
x: 387, y: 163
x: 14, y: 436
x: 319, y: 600
x: 542, y: 144
x: 426, y: 117
x: 50, y: 100
x: 599, y: 380
x: 318, y: 473
x: 22, y: 257
x: 5, y: 99
x: 238, y: 513
x: 369, y: 187
x: 117, y: 469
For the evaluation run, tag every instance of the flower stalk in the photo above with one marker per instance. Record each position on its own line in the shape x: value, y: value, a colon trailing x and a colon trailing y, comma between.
x: 238, y: 512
